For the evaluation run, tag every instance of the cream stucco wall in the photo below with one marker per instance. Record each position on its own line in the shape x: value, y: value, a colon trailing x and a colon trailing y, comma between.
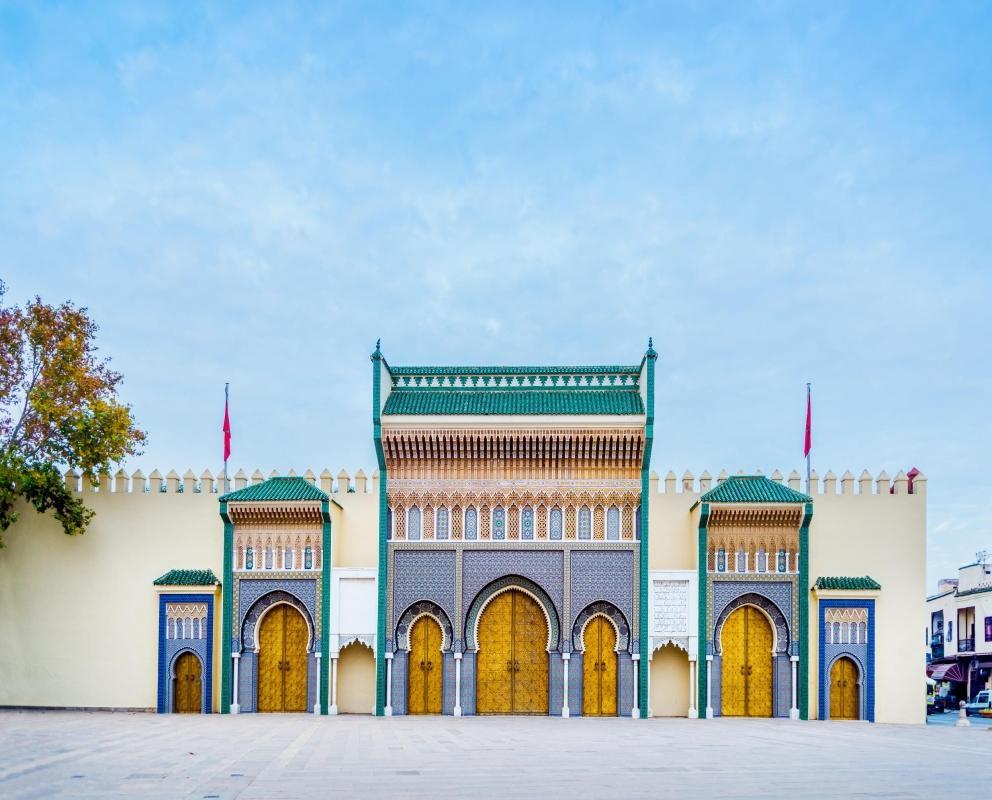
x: 882, y: 535
x: 79, y: 615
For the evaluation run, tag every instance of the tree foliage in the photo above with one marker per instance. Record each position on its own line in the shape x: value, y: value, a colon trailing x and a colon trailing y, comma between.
x: 58, y: 410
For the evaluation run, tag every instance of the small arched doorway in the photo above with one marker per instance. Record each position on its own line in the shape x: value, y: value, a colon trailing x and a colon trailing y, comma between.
x: 845, y: 694
x: 187, y: 692
x: 424, y: 690
x: 670, y: 682
x: 599, y: 668
x: 282, y: 660
x: 746, y: 643
x: 355, y: 691
x: 512, y: 656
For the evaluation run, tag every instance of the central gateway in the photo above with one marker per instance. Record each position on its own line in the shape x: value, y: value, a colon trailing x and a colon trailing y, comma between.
x: 512, y: 520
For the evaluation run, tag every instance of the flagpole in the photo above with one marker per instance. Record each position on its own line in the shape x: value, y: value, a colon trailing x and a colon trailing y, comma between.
x: 809, y: 450
x: 226, y: 385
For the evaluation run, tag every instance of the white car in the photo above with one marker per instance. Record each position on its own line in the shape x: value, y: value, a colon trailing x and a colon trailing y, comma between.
x: 980, y: 702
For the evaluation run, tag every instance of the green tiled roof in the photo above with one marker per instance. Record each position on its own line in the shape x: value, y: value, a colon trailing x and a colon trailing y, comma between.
x: 277, y: 489
x: 597, y: 370
x: 519, y: 401
x: 862, y: 584
x: 187, y: 577
x: 753, y: 489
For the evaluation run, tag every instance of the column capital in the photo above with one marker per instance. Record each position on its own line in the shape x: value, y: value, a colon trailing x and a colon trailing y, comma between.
x: 566, y: 656
x: 458, y: 656
x: 388, y: 656
x: 793, y: 658
x: 235, y: 655
x: 635, y: 656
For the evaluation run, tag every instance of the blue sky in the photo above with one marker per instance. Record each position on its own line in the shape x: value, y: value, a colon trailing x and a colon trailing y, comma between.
x: 776, y: 192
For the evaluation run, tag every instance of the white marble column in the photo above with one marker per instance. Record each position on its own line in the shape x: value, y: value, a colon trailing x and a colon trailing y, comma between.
x: 650, y: 712
x: 635, y: 712
x: 316, y: 705
x: 458, y: 685
x: 235, y: 708
x: 709, y: 687
x: 794, y: 709
x: 565, y: 657
x: 693, y: 711
x: 388, y: 710
x: 334, y: 684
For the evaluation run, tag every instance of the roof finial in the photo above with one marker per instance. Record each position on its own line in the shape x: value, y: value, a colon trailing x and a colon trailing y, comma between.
x: 378, y: 345
x: 650, y: 343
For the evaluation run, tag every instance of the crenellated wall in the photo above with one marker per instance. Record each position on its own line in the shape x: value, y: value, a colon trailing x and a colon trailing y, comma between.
x: 78, y: 615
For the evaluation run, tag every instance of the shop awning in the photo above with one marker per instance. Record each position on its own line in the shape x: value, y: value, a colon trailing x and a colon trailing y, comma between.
x: 946, y: 672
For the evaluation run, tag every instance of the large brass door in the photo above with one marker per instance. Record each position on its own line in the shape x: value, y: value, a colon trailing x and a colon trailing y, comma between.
x: 746, y: 675
x: 512, y: 663
x: 282, y: 660
x: 844, y: 692
x: 599, y: 669
x: 187, y: 696
x: 424, y: 695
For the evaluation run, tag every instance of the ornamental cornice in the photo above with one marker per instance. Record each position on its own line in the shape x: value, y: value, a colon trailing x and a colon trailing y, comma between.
x: 514, y: 497
x: 755, y: 516
x: 275, y: 513
x: 524, y: 485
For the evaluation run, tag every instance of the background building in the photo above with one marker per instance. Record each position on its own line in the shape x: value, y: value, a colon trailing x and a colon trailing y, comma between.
x: 959, y: 630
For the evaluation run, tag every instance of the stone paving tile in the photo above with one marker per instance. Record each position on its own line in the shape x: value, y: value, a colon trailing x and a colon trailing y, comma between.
x: 104, y: 755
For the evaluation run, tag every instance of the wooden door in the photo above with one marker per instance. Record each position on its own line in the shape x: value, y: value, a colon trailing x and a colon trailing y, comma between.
x: 844, y: 691
x: 187, y: 696
x: 599, y: 669
x: 424, y: 667
x: 282, y: 660
x: 746, y: 674
x: 512, y: 662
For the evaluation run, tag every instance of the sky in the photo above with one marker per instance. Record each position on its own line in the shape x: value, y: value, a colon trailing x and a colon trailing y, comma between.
x: 776, y: 192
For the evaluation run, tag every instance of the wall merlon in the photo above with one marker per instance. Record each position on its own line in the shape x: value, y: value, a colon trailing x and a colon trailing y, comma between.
x: 326, y: 480
x: 344, y: 482
x: 795, y: 480
x: 310, y: 477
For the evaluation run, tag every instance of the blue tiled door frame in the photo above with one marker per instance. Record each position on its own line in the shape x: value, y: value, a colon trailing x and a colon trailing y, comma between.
x: 163, y: 666
x: 823, y: 667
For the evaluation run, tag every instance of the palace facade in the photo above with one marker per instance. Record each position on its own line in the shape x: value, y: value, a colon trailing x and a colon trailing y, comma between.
x: 512, y: 554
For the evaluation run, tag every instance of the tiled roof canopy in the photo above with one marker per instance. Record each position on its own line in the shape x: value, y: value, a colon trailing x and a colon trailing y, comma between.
x: 277, y: 489
x: 862, y: 584
x: 753, y: 489
x: 187, y: 577
x: 607, y: 390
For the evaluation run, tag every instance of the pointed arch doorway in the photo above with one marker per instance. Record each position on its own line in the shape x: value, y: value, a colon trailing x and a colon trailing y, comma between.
x: 599, y: 669
x: 282, y: 660
x: 746, y: 676
x: 513, y: 656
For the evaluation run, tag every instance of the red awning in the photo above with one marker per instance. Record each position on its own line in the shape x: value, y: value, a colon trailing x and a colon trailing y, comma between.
x: 946, y: 672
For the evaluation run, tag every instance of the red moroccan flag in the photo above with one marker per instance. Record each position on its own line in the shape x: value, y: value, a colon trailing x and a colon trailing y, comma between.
x: 809, y: 424
x: 226, y: 428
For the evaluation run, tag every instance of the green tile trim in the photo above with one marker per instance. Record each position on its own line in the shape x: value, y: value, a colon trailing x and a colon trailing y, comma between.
x: 702, y: 646
x: 625, y: 369
x: 380, y: 638
x: 187, y: 577
x: 277, y: 489
x: 803, y: 592
x: 863, y: 583
x: 644, y: 629
x: 227, y: 611
x: 325, y: 608
x: 753, y: 489
x: 416, y: 402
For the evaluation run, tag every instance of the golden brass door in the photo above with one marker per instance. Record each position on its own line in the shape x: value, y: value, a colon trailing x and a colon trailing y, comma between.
x: 746, y: 673
x: 512, y: 664
x: 282, y: 660
x: 187, y: 697
x: 844, y: 691
x: 599, y: 669
x: 424, y: 694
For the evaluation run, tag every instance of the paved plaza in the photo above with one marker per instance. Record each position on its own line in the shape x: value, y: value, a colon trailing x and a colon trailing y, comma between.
x: 98, y: 755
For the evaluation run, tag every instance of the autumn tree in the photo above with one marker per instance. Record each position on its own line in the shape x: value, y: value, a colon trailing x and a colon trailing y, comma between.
x: 58, y: 410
